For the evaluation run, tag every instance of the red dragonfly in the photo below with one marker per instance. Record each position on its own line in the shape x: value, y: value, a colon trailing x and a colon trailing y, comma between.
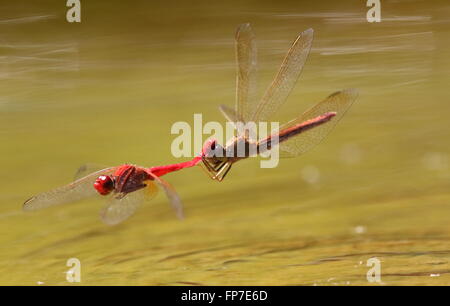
x: 125, y: 186
x: 293, y: 138
x: 128, y: 186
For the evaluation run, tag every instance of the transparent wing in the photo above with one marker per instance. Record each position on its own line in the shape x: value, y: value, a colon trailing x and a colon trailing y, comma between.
x: 120, y: 207
x: 174, y: 199
x: 230, y: 114
x: 285, y: 79
x: 80, y: 189
x: 337, y: 102
x: 246, y: 57
x: 86, y: 169
x: 242, y: 128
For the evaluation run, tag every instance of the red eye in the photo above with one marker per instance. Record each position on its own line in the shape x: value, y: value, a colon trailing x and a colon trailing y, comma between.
x: 104, y: 184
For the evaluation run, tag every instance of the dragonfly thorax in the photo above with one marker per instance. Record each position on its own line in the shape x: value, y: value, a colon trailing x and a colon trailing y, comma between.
x: 126, y: 179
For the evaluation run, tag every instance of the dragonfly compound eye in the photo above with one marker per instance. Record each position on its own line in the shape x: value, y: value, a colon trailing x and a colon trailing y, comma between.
x: 104, y: 184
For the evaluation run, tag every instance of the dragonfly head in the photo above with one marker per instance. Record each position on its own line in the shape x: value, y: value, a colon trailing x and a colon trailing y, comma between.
x: 104, y: 184
x: 212, y: 149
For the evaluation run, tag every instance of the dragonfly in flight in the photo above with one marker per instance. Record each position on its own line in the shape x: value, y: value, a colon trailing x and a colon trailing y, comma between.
x: 293, y: 138
x: 127, y: 186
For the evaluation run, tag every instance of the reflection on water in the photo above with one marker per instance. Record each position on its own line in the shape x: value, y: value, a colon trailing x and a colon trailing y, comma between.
x: 108, y: 90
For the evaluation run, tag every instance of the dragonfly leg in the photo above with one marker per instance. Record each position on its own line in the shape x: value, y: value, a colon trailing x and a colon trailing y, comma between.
x: 215, y: 161
x: 218, y: 170
x: 214, y: 165
x: 220, y: 175
x: 211, y: 170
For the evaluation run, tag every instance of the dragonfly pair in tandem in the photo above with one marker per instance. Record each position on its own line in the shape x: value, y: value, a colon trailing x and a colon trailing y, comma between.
x: 128, y: 186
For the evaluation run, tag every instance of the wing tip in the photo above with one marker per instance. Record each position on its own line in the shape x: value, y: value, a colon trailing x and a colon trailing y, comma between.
x: 28, y: 204
x: 307, y: 32
x: 351, y: 92
x: 180, y: 215
x: 244, y: 28
x: 110, y: 223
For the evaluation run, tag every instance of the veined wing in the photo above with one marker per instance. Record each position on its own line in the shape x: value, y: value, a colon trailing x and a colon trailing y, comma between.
x: 87, y: 169
x: 246, y: 58
x: 285, y: 79
x: 230, y: 114
x: 80, y: 189
x: 171, y: 194
x: 120, y: 207
x: 338, y: 102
